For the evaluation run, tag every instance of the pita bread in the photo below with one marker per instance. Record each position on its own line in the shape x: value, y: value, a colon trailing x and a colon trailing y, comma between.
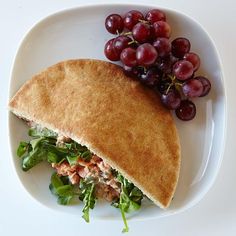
x: 117, y: 118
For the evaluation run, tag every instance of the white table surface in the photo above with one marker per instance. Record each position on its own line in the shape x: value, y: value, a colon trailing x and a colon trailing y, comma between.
x: 214, y: 215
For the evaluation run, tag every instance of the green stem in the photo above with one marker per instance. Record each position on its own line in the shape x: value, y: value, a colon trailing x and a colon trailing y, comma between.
x: 167, y: 91
x: 126, y: 228
x: 133, y: 41
x: 171, y: 77
x: 144, y: 21
x: 127, y: 33
x: 179, y: 84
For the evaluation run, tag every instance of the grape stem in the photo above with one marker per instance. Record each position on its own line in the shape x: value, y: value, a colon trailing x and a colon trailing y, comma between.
x: 178, y: 88
x: 172, y: 77
x: 127, y: 33
x: 144, y: 21
x: 173, y: 83
x: 170, y: 85
x: 144, y: 69
x: 179, y: 84
x: 133, y: 41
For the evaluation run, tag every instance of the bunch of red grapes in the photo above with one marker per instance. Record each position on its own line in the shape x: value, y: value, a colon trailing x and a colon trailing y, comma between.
x: 144, y: 47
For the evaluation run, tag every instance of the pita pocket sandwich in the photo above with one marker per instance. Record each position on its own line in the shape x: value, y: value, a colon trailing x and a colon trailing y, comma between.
x: 102, y: 132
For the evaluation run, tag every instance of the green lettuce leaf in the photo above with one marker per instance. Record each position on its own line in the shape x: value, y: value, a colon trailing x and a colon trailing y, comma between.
x: 130, y: 199
x: 87, y: 195
x: 22, y: 148
x: 64, y: 191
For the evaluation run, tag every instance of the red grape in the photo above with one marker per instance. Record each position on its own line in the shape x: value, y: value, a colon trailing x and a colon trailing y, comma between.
x: 121, y: 42
x: 173, y: 59
x: 162, y: 86
x: 146, y: 54
x: 183, y: 69
x: 162, y: 29
x: 114, y: 23
x: 162, y: 46
x: 165, y: 64
x: 180, y: 46
x: 206, y: 85
x: 131, y: 18
x: 155, y: 15
x: 194, y: 59
x: 172, y: 99
x: 109, y: 51
x: 128, y: 57
x: 152, y: 34
x: 192, y: 88
x: 134, y: 72
x: 151, y: 77
x: 186, y: 111
x: 141, y: 32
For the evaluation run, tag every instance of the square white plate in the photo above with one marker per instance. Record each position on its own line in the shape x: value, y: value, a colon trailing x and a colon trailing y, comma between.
x: 80, y: 33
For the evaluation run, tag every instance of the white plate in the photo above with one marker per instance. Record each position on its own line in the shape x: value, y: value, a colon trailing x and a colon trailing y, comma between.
x: 80, y: 33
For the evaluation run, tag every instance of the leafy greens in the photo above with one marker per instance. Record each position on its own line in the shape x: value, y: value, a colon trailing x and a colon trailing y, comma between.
x: 61, y: 187
x: 43, y: 147
x: 87, y: 195
x: 130, y: 199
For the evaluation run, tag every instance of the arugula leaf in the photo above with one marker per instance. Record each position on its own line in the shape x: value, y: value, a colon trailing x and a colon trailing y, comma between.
x: 86, y: 156
x: 130, y: 199
x: 53, y: 158
x: 38, y: 151
x: 64, y: 200
x: 54, y: 154
x: 56, y: 181
x: 41, y: 149
x: 76, y: 150
x: 22, y: 148
x: 64, y: 192
x: 73, y: 160
x: 87, y: 195
x: 41, y: 132
x: 136, y: 195
x: 34, y: 157
x: 36, y: 142
x: 79, y: 150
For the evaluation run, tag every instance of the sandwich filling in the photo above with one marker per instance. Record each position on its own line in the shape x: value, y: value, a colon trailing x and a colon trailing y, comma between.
x: 78, y: 173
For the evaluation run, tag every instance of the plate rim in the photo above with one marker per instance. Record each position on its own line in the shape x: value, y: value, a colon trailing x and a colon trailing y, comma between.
x: 90, y: 6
